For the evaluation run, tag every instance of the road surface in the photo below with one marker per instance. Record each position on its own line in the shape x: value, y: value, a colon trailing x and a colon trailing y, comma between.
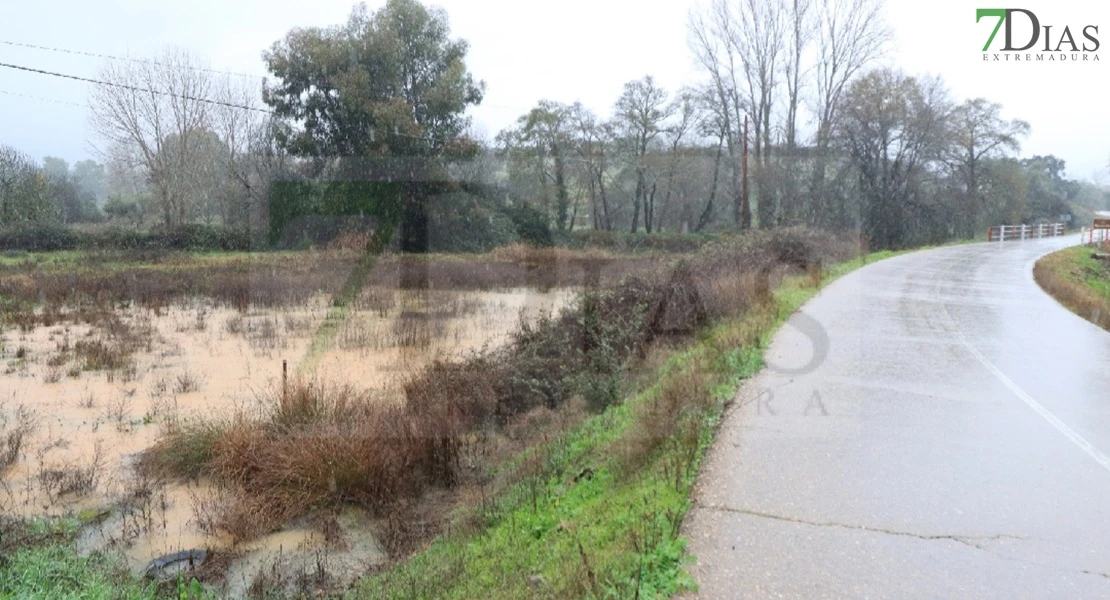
x: 932, y: 426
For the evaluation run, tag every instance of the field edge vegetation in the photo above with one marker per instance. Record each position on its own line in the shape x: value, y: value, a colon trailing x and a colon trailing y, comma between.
x: 1077, y: 280
x: 601, y: 516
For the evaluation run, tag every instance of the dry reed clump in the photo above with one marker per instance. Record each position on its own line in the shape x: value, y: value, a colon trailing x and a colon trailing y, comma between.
x: 102, y: 355
x: 16, y: 429
x: 310, y: 445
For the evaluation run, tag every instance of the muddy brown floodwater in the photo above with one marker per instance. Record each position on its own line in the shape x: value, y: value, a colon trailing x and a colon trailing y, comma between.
x: 198, y: 361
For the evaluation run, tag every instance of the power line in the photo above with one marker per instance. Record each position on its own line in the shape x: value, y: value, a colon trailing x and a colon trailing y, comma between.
x: 134, y: 88
x: 7, y: 93
x: 395, y: 133
x: 126, y: 58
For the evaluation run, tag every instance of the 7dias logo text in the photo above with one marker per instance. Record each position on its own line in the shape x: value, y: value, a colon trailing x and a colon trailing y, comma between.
x: 1027, y: 38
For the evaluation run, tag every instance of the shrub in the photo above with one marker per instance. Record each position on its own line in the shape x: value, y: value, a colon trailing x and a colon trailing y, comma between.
x: 48, y: 237
x: 40, y: 237
x: 184, y: 450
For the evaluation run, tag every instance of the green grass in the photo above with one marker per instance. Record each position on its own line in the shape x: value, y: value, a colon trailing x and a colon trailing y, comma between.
x: 1079, y: 267
x: 46, y: 565
x: 1077, y: 281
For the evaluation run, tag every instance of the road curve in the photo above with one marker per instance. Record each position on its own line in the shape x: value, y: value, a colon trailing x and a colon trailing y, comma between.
x: 951, y: 443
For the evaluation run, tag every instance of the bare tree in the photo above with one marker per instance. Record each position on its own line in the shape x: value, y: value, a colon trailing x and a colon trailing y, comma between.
x: 740, y: 45
x: 155, y: 109
x: 685, y: 110
x: 850, y: 35
x: 800, y: 29
x: 708, y: 41
x: 592, y: 139
x: 640, y: 113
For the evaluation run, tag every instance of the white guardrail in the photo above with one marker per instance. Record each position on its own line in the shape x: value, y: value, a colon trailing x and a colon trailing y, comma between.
x: 1009, y: 233
x: 1088, y: 235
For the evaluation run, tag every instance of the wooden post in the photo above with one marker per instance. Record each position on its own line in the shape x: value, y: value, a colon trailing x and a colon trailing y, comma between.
x: 745, y: 202
x: 284, y: 377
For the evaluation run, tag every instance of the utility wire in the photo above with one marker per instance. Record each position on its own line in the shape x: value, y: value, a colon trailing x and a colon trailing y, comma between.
x: 7, y: 93
x: 395, y: 133
x: 134, y: 88
x: 125, y: 58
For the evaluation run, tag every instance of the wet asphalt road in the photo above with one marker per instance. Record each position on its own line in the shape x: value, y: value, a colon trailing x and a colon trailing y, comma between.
x: 932, y: 426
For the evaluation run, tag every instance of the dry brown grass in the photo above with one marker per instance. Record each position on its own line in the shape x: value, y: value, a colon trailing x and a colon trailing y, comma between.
x: 312, y: 445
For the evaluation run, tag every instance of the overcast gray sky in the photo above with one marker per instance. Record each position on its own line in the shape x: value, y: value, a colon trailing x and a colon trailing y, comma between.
x: 525, y: 51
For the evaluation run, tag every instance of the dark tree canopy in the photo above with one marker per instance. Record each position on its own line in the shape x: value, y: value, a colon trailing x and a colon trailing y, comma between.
x: 389, y: 82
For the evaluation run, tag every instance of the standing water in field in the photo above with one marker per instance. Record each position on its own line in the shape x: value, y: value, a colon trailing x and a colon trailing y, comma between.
x: 84, y: 397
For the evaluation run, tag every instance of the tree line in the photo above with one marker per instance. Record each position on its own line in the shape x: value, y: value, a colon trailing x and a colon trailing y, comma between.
x: 792, y: 121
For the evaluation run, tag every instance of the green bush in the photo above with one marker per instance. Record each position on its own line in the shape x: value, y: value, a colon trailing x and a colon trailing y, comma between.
x: 531, y: 226
x: 40, y: 237
x: 48, y: 237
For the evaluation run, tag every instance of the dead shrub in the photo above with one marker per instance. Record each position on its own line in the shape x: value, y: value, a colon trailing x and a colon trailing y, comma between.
x: 57, y: 360
x: 187, y: 381
x: 418, y: 330
x: 243, y: 514
x: 118, y: 410
x: 52, y: 375
x: 102, y: 355
x: 310, y: 444
x: 377, y: 299
x: 70, y: 479
x: 16, y: 430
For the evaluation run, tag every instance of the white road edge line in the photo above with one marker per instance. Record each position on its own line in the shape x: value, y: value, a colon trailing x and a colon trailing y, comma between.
x: 1029, y: 401
x: 1038, y: 408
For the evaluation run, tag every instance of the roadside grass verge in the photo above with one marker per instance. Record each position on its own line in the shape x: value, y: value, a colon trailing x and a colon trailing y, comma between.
x: 596, y: 512
x: 1078, y: 281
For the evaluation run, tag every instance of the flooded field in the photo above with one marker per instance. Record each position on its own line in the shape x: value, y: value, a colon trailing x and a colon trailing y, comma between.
x: 79, y: 402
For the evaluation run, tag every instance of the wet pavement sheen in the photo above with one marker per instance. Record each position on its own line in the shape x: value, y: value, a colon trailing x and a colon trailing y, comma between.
x: 930, y: 426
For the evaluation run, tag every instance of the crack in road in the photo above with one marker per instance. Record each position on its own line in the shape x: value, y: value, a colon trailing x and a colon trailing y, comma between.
x: 968, y: 540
